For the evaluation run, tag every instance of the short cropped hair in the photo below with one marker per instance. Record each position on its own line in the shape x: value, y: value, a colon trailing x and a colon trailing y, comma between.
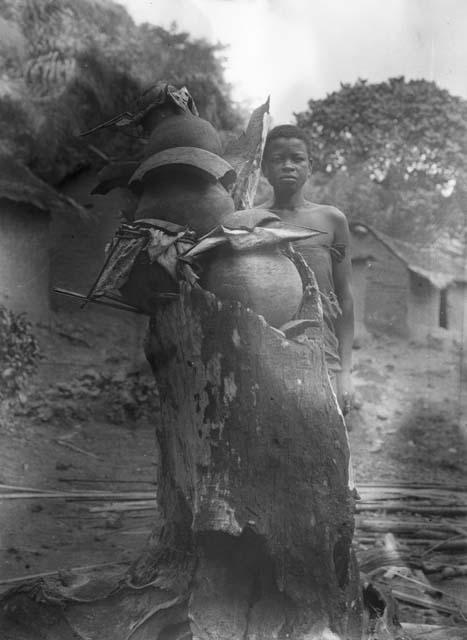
x: 286, y: 131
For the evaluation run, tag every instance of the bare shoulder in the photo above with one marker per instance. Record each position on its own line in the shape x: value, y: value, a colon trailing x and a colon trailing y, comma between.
x: 332, y: 217
x: 333, y: 213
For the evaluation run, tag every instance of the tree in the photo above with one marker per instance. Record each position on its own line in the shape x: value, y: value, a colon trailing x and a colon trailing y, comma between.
x: 185, y: 61
x: 394, y: 153
x: 66, y: 66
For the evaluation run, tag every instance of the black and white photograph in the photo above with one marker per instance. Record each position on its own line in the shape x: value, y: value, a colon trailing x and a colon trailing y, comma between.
x: 233, y: 320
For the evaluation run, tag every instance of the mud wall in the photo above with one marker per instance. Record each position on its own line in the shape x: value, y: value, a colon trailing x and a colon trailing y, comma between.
x: 383, y: 287
x: 424, y: 303
x: 78, y: 245
x: 24, y: 259
x: 359, y: 287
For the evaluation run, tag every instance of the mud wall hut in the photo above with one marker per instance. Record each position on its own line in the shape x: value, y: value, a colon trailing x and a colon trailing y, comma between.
x: 26, y: 206
x: 406, y: 289
x: 78, y: 244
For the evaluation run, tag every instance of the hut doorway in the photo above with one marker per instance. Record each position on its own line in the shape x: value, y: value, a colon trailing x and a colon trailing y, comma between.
x: 443, y: 309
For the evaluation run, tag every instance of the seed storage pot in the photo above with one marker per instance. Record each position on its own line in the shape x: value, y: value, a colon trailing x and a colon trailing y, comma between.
x: 183, y: 131
x: 185, y: 198
x: 264, y: 280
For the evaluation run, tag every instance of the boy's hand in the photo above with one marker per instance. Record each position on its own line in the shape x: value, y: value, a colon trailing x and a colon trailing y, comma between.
x: 344, y: 391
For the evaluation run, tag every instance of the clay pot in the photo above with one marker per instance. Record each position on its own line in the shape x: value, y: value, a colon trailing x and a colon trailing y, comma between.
x: 186, y: 199
x: 265, y: 281
x: 184, y: 130
x: 209, y: 166
x: 146, y: 280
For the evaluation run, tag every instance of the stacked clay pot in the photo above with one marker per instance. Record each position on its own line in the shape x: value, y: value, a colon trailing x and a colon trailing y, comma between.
x: 180, y: 181
x: 181, y: 187
x: 186, y: 130
x: 185, y: 192
x: 183, y: 196
x: 263, y: 280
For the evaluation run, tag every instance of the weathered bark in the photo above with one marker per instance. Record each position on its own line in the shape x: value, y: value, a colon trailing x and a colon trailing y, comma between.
x: 256, y: 518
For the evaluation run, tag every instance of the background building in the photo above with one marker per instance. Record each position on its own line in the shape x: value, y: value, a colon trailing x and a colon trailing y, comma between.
x: 406, y: 289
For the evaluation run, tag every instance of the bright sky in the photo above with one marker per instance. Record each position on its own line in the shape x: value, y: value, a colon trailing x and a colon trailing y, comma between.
x: 295, y: 50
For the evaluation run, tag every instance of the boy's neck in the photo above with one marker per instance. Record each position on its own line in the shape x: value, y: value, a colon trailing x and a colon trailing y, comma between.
x: 290, y: 201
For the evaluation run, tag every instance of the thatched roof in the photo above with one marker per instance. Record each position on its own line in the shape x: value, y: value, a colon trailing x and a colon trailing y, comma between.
x: 441, y: 267
x: 19, y: 184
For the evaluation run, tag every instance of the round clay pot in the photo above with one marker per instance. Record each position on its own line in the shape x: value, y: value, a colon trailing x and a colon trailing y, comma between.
x: 184, y: 130
x: 266, y: 281
x: 185, y: 199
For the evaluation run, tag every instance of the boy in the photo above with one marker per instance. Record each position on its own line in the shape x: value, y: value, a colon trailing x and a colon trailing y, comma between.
x: 287, y: 167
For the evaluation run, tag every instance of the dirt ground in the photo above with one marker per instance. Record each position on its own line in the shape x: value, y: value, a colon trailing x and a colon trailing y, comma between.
x: 411, y: 428
x: 411, y: 424
x: 86, y: 423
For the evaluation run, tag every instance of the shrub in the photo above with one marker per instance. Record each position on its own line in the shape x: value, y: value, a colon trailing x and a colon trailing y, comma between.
x: 19, y: 352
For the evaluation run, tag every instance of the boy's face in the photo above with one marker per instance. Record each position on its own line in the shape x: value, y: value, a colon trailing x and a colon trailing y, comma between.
x: 286, y: 164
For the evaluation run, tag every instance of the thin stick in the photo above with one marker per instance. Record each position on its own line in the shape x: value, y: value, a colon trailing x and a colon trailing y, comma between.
x: 79, y: 296
x: 99, y: 153
x: 97, y: 480
x: 411, y: 485
x: 423, y: 602
x: 73, y: 447
x: 122, y: 506
x: 424, y: 630
x: 447, y: 510
x: 441, y: 543
x: 451, y: 544
x: 76, y: 495
x: 18, y: 488
x: 429, y: 586
x: 406, y: 526
x: 134, y: 532
x: 46, y: 574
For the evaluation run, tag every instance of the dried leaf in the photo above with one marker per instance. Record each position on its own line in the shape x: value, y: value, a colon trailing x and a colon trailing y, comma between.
x: 205, y: 244
x: 249, y: 218
x: 159, y: 95
x: 125, y: 117
x: 245, y: 155
x: 155, y: 223
x: 122, y: 256
x: 245, y: 239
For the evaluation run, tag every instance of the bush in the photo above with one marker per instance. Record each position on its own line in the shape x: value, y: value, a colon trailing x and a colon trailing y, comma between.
x: 19, y: 352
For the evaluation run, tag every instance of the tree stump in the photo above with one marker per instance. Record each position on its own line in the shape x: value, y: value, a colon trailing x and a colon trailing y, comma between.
x: 256, y: 517
x: 256, y: 514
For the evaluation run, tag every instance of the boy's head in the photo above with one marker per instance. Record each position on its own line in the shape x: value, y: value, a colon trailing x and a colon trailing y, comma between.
x: 286, y: 161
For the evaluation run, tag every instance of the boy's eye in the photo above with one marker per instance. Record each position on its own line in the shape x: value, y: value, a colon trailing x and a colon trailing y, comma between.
x: 296, y: 159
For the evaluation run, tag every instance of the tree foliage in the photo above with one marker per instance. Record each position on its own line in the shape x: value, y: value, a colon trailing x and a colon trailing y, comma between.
x: 393, y: 154
x: 66, y: 65
x: 194, y: 63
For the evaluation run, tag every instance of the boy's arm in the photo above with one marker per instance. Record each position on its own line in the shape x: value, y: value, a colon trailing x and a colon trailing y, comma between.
x: 342, y: 275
